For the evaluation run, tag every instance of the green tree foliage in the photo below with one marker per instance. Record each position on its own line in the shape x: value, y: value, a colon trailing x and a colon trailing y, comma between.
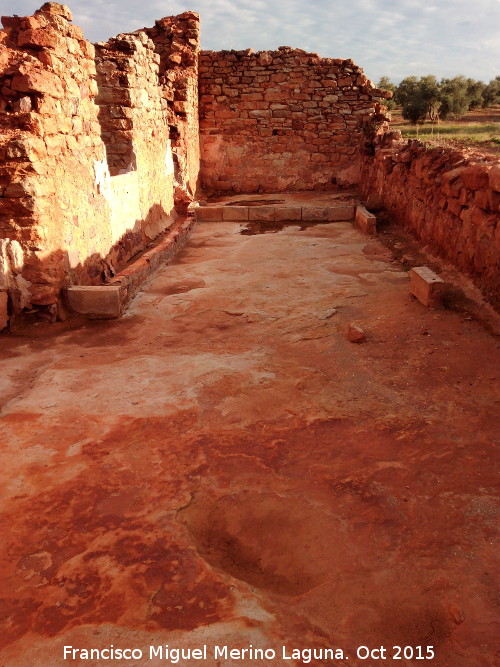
x: 386, y: 84
x: 454, y: 99
x: 475, y: 90
x: 491, y: 93
x: 418, y: 98
x: 426, y: 97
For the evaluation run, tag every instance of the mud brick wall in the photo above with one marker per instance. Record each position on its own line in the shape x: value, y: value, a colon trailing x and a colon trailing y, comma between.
x: 449, y: 199
x: 281, y: 120
x: 177, y: 42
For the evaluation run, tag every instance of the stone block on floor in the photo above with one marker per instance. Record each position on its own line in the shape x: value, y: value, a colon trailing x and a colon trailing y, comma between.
x: 261, y: 213
x: 339, y: 213
x: 426, y: 286
x: 235, y: 213
x: 288, y: 213
x: 209, y: 213
x: 96, y: 301
x: 365, y: 220
x: 315, y: 213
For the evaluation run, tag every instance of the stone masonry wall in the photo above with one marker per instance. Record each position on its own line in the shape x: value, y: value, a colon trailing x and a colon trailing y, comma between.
x: 134, y: 129
x: 87, y: 171
x: 281, y: 120
x: 51, y: 215
x: 176, y: 40
x: 448, y: 198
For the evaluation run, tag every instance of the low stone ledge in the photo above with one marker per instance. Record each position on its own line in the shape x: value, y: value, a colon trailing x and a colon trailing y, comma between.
x: 365, y: 220
x: 261, y: 213
x: 109, y: 301
x: 271, y: 213
x: 209, y: 213
x: 340, y: 213
x: 96, y: 301
x: 235, y: 213
x: 426, y: 286
x: 314, y: 213
x: 288, y: 213
x: 132, y: 276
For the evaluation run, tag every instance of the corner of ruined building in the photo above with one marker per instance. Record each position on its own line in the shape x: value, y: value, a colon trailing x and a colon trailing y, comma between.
x: 86, y: 143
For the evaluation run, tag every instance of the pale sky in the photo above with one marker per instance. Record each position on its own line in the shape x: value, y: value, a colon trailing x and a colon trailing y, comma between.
x: 396, y: 38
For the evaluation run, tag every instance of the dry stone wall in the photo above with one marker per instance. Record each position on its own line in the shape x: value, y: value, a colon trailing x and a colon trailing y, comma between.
x: 448, y: 198
x: 87, y: 171
x: 176, y: 40
x: 137, y: 175
x: 50, y: 212
x: 281, y: 120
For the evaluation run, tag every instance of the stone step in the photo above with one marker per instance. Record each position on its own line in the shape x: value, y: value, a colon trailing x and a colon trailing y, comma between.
x: 274, y: 213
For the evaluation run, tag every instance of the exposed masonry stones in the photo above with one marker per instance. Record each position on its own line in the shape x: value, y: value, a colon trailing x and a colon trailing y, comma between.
x: 448, y: 198
x: 176, y: 40
x: 281, y: 120
x: 100, y: 151
x: 88, y: 176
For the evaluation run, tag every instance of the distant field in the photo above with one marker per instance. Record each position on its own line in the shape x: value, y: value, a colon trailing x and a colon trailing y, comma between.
x: 479, y: 129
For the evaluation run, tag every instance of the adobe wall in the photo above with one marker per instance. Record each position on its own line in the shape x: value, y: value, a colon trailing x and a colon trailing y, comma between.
x: 448, y: 198
x: 281, y: 120
x: 87, y: 173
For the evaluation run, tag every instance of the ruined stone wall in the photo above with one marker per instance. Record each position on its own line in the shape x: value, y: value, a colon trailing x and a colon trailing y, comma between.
x: 177, y: 42
x: 448, y: 198
x: 281, y: 120
x: 51, y: 215
x: 87, y: 173
x: 134, y: 129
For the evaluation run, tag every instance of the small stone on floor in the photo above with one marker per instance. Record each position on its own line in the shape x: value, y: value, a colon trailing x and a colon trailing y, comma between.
x: 355, y: 333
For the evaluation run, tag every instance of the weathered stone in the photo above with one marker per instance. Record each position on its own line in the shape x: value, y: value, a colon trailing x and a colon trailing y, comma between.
x: 96, y: 301
x: 475, y: 176
x: 355, y: 333
x: 426, y: 286
x: 315, y: 213
x: 209, y: 213
x: 235, y: 213
x: 56, y: 9
x: 288, y: 213
x: 339, y: 213
x: 365, y: 220
x: 261, y: 213
x: 494, y: 178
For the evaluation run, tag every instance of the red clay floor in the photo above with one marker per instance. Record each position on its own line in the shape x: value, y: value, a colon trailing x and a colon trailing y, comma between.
x: 222, y: 467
